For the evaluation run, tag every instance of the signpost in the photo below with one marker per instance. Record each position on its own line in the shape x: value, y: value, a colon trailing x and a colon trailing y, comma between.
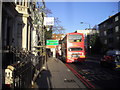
x: 48, y: 21
x: 51, y: 46
x: 52, y: 42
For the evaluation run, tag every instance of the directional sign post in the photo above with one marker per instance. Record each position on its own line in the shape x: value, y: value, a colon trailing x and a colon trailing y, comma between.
x: 52, y: 42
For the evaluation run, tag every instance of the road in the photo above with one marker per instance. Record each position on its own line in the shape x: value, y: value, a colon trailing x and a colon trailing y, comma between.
x: 99, y: 77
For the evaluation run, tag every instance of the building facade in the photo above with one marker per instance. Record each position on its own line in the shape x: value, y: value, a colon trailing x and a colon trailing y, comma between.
x: 10, y: 31
x: 58, y: 36
x: 25, y: 8
x: 110, y: 32
x: 17, y: 27
x: 22, y: 30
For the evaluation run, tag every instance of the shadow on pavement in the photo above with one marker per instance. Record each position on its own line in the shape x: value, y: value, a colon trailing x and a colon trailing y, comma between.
x: 43, y: 80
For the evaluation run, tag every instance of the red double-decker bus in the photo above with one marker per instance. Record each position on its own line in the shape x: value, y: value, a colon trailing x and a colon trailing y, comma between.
x: 73, y: 48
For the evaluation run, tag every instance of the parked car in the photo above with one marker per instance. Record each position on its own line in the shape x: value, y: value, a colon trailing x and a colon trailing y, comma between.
x: 111, y: 59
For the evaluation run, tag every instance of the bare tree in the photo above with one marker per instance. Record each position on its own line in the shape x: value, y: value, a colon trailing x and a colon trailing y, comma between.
x: 42, y: 9
x: 57, y: 28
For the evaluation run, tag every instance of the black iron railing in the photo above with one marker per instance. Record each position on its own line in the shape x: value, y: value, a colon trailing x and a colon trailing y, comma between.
x: 26, y: 66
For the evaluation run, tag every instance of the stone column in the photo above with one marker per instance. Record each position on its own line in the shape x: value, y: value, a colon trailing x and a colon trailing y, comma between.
x: 33, y: 41
x: 23, y: 3
x: 29, y: 38
x: 24, y: 33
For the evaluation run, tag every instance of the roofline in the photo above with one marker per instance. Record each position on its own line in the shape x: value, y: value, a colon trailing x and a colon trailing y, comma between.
x: 109, y: 18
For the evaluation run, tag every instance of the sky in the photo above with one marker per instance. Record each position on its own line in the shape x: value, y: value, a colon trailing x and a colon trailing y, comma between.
x: 72, y: 13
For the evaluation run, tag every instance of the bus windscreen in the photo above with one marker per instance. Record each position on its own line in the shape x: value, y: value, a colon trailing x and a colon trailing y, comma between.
x: 74, y: 38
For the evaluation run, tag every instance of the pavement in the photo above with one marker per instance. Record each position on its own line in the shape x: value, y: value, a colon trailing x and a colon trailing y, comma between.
x: 57, y: 75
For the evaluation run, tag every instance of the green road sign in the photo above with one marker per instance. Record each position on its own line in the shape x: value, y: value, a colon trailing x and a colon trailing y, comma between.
x: 52, y: 42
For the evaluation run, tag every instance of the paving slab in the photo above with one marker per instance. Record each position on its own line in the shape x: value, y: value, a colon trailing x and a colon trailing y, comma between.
x: 57, y: 75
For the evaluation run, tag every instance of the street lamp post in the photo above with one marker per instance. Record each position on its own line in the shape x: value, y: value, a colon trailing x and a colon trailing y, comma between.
x: 88, y: 39
x: 86, y: 23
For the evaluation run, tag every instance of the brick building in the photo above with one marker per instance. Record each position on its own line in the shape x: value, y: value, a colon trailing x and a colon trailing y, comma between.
x: 110, y: 32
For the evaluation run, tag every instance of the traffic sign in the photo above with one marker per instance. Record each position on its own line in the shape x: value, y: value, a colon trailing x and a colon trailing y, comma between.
x: 52, y: 42
x: 50, y: 46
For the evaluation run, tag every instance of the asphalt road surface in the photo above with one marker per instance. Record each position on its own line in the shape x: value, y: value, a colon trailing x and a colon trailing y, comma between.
x: 100, y: 77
